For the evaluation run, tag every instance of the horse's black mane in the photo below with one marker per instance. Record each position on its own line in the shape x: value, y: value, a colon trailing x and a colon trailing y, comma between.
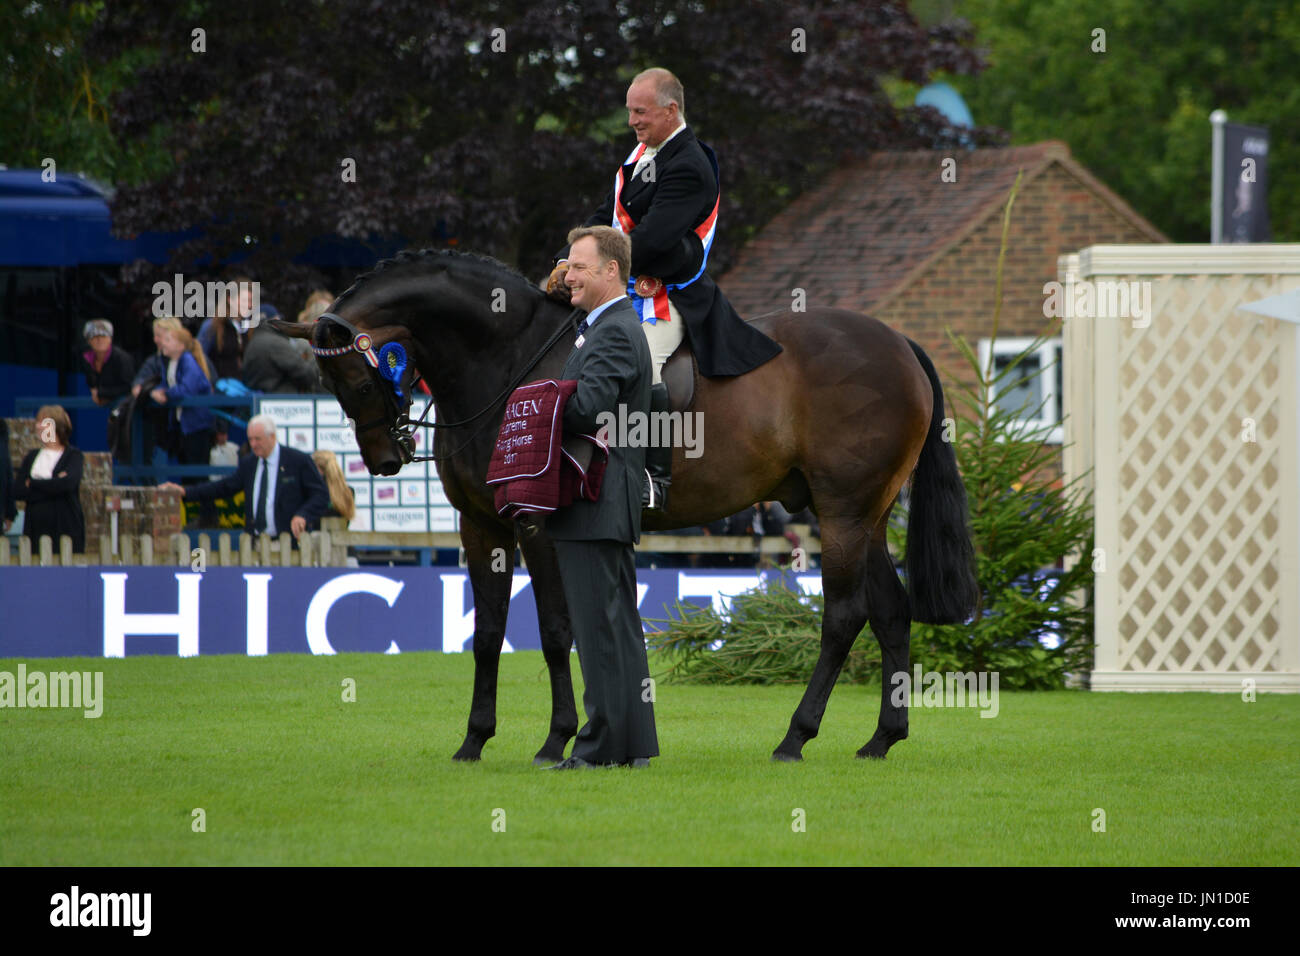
x: 449, y: 256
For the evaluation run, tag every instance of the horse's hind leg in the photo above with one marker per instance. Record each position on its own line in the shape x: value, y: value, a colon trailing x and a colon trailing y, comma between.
x: 844, y: 546
x: 891, y: 622
x: 557, y: 641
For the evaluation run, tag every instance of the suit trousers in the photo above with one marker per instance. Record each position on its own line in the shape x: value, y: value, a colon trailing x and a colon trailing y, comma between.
x: 600, y: 589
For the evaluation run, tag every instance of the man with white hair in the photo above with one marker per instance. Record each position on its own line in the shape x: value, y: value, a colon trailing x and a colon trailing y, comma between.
x: 283, y: 491
x: 665, y: 199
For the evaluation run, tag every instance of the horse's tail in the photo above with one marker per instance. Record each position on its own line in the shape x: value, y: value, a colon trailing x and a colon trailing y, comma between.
x: 940, y: 560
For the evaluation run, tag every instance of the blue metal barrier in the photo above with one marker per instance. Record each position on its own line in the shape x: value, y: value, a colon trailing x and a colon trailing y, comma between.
x: 138, y: 470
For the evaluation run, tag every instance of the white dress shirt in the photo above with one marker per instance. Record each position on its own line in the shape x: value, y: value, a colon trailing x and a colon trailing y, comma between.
x: 650, y: 151
x: 43, y: 466
x: 594, y: 314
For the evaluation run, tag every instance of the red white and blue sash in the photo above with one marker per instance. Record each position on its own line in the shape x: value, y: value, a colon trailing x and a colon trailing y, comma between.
x: 654, y: 307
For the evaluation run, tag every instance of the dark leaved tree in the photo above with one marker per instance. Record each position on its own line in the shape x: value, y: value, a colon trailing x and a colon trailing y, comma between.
x: 491, y: 125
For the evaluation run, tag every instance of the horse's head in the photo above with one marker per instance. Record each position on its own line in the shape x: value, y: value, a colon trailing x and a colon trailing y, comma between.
x: 370, y: 372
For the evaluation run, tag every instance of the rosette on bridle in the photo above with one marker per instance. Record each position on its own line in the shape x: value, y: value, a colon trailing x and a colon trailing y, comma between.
x: 389, y: 363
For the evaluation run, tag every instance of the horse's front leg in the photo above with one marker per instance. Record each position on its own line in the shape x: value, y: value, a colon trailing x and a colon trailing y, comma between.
x: 557, y: 639
x: 491, y: 604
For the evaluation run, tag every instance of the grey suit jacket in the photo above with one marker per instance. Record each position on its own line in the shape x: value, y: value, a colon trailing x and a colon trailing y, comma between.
x: 613, y: 369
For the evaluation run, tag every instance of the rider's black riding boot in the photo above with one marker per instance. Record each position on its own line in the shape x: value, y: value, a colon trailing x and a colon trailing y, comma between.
x: 658, y: 461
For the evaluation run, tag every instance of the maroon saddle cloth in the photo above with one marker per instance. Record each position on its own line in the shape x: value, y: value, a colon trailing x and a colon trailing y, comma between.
x: 534, y: 468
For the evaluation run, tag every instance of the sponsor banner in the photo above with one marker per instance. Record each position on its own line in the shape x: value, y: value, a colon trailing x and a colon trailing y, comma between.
x: 310, y: 423
x: 289, y: 412
x: 129, y: 612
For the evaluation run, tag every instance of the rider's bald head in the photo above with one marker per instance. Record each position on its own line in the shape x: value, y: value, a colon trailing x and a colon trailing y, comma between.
x: 668, y: 89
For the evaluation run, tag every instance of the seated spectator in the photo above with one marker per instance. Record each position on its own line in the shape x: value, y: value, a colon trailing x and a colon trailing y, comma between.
x: 273, y: 364
x: 187, y: 376
x: 8, y: 511
x: 343, y: 500
x: 49, y: 480
x: 224, y: 451
x: 107, y: 368
x: 282, y: 489
x: 220, y: 336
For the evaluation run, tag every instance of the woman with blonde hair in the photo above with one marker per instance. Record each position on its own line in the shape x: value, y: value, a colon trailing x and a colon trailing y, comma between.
x: 342, y: 498
x: 152, y: 371
x: 187, y: 375
x: 317, y: 303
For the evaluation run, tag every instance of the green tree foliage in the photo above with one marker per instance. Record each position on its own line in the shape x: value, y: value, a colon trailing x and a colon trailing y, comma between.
x: 769, y: 635
x: 492, y: 124
x: 1023, y: 521
x: 1137, y: 115
x: 54, y: 98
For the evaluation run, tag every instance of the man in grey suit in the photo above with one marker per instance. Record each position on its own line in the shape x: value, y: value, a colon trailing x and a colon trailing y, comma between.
x: 593, y: 539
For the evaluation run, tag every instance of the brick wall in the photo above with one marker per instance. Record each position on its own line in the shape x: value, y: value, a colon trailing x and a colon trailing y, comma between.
x: 1053, y: 215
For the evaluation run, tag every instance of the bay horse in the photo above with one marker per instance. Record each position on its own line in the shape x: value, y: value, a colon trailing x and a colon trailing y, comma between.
x: 837, y: 421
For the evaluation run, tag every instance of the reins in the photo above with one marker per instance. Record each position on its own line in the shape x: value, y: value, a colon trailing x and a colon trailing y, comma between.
x: 402, y: 429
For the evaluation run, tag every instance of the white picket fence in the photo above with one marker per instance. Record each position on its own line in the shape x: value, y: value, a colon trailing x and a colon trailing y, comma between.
x: 316, y: 549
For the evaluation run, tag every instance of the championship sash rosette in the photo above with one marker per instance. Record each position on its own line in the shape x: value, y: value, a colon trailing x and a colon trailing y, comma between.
x: 649, y: 295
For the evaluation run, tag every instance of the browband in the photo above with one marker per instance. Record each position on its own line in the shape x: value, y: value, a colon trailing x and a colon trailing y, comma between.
x: 361, y: 341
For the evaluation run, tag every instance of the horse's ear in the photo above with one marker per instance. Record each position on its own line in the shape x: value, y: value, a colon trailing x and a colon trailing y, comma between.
x: 295, y: 330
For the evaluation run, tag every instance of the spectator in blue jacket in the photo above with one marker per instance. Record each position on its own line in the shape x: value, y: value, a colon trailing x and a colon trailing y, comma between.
x: 187, y: 375
x: 153, y: 370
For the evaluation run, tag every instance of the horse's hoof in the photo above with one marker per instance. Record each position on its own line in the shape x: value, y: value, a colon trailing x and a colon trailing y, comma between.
x: 878, y: 746
x: 779, y: 757
x: 468, y: 753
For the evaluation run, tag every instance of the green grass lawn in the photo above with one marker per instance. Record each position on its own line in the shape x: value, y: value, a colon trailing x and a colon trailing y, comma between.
x: 286, y: 772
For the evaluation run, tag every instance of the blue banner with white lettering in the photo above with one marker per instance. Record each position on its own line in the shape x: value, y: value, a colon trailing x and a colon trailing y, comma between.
x: 130, y: 611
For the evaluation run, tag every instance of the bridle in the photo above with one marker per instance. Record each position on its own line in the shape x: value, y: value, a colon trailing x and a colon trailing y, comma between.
x: 389, y: 365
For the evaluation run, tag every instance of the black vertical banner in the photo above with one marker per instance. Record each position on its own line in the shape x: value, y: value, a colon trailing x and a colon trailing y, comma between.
x: 1245, y: 183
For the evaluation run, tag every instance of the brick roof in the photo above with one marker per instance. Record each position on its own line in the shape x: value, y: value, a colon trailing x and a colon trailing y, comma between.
x: 870, y: 227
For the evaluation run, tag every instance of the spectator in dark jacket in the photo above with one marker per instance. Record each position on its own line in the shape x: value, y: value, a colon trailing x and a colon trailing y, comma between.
x: 220, y: 336
x: 273, y: 363
x: 282, y: 489
x: 107, y: 368
x: 49, y: 480
x: 8, y: 512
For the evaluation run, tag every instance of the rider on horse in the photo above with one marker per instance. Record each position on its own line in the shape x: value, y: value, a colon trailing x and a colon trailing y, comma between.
x: 666, y: 197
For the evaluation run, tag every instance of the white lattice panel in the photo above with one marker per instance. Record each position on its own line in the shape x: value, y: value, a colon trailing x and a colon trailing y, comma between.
x: 1190, y: 425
